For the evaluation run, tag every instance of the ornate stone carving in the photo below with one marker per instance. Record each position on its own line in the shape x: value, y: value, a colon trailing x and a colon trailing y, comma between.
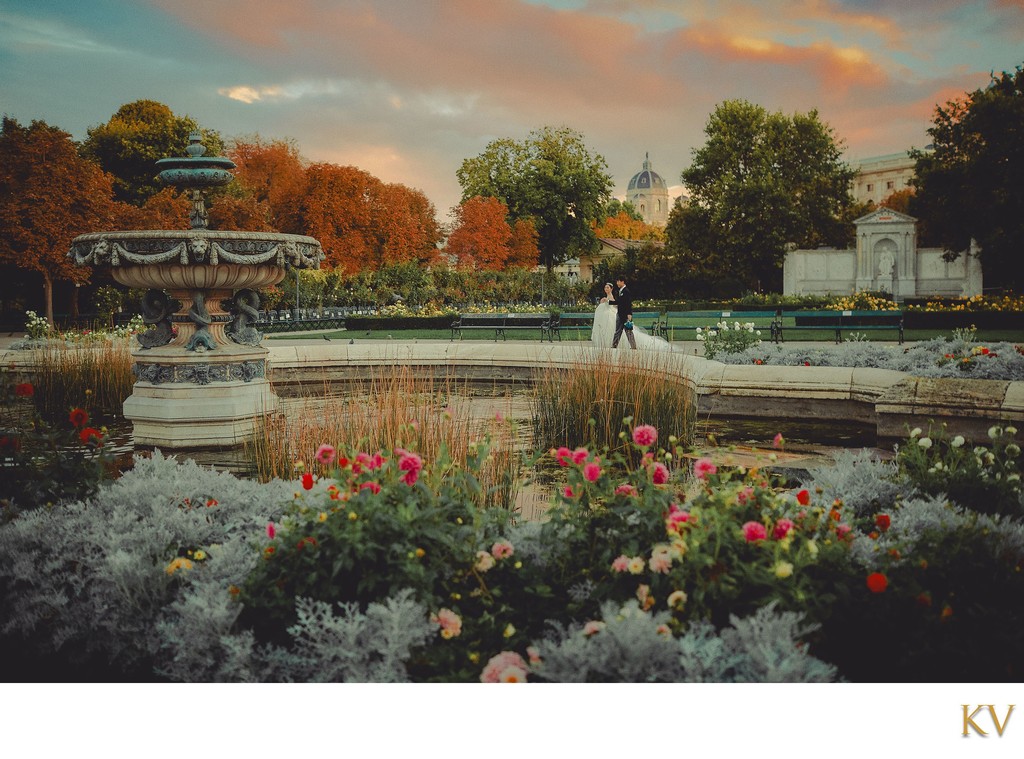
x: 244, y: 307
x: 200, y: 374
x: 157, y: 309
x: 198, y: 315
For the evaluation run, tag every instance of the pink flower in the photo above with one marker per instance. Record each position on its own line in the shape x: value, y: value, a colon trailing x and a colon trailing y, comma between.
x: 593, y: 627
x: 625, y: 489
x: 592, y: 471
x: 563, y: 455
x: 325, y: 454
x: 676, y: 516
x: 745, y: 495
x: 484, y: 561
x: 754, y: 531
x: 621, y: 564
x: 703, y: 467
x: 534, y: 654
x: 842, y: 530
x: 645, y: 435
x: 411, y: 464
x: 782, y: 528
x: 660, y: 561
x: 373, y: 487
x: 497, y: 669
x: 580, y: 455
x: 568, y: 492
x: 502, y: 549
x: 778, y: 441
x: 659, y: 474
x: 449, y: 621
x: 271, y: 532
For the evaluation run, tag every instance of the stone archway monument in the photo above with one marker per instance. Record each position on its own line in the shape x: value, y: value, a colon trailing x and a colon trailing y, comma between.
x: 201, y: 368
x: 886, y: 253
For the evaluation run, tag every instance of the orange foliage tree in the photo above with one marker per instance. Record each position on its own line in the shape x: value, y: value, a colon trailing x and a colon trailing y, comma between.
x: 272, y: 181
x: 481, y: 237
x: 49, y: 194
x: 622, y: 226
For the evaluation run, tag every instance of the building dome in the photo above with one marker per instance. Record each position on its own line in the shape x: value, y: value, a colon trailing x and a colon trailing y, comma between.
x: 648, y: 192
x: 647, y: 179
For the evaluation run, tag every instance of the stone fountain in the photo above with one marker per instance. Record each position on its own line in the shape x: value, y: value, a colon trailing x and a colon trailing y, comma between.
x: 201, y: 368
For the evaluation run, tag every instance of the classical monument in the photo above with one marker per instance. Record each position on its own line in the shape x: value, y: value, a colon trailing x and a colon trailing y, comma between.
x: 886, y: 259
x: 648, y: 192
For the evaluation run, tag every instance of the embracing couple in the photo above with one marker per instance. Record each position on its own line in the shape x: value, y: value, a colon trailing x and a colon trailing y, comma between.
x: 614, y: 317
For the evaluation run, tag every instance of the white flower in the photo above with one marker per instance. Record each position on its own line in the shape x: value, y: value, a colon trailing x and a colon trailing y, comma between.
x: 994, y: 432
x: 957, y: 441
x: 915, y: 432
x: 925, y: 442
x: 1011, y: 430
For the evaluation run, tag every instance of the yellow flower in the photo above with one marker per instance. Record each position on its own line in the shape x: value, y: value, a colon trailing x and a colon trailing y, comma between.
x: 420, y: 553
x: 510, y: 630
x: 322, y: 516
x: 353, y: 516
x: 199, y: 555
x: 783, y: 570
x: 474, y: 656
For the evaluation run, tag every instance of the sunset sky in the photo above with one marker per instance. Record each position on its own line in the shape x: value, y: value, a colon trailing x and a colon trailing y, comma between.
x: 407, y: 89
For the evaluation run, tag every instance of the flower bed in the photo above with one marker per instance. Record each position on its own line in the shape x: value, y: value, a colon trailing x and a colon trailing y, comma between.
x: 383, y: 571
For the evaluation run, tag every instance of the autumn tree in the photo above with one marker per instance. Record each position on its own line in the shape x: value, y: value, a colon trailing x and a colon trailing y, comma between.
x: 135, y: 138
x: 49, y: 194
x: 403, y: 226
x: 334, y: 210
x: 623, y: 226
x: 270, y: 180
x: 761, y: 181
x: 481, y: 237
x: 969, y: 186
x: 550, y: 178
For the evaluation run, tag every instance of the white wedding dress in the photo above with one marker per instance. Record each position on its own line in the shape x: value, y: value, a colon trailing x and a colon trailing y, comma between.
x: 603, y: 331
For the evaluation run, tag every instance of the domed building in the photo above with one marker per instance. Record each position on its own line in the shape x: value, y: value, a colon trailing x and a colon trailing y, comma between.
x: 648, y: 192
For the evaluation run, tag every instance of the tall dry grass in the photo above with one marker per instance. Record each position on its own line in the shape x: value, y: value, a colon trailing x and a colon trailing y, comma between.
x: 392, y: 408
x: 587, y: 403
x: 97, y: 377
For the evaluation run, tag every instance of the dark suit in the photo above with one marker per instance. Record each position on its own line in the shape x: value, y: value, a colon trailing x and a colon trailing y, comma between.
x: 624, y: 301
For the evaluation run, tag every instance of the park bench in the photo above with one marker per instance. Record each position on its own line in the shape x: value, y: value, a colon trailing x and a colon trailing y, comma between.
x: 836, y: 321
x: 670, y: 323
x: 502, y: 323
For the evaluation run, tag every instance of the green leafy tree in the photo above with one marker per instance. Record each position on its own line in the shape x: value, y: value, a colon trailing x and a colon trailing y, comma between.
x: 551, y: 179
x: 970, y: 187
x: 762, y: 180
x: 135, y: 137
x: 616, y: 206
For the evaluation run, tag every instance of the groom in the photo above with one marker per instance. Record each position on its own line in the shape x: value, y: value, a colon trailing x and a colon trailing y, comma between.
x: 622, y: 298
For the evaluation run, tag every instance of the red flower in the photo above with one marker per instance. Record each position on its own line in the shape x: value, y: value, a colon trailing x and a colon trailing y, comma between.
x: 882, y: 521
x: 877, y: 582
x: 78, y: 417
x: 10, y: 441
x: 410, y: 465
x: 807, y: 363
x: 307, y: 480
x: 24, y: 390
x: 90, y: 434
x: 803, y: 497
x: 373, y: 487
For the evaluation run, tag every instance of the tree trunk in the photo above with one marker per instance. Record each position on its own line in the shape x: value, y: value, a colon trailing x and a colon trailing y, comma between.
x: 74, y: 303
x: 48, y: 297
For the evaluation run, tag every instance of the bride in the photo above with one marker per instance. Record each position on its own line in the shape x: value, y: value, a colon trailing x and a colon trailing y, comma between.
x: 604, y: 328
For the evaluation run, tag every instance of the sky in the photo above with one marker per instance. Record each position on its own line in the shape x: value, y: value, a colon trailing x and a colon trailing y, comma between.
x: 408, y: 89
